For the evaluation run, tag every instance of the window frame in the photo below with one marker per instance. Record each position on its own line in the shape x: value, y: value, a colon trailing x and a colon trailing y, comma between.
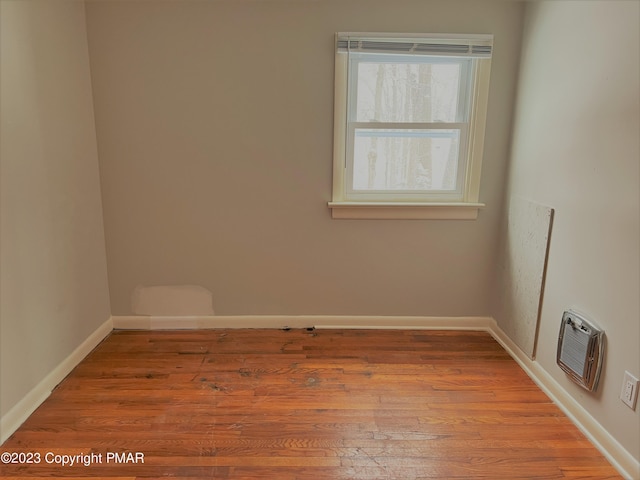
x: 347, y: 203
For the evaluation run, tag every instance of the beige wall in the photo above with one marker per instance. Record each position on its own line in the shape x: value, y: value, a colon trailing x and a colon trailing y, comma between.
x: 576, y: 149
x: 53, y: 279
x: 214, y: 125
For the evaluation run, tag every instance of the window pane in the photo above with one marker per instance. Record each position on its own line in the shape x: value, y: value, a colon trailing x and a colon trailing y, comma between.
x: 414, y: 160
x: 408, y: 92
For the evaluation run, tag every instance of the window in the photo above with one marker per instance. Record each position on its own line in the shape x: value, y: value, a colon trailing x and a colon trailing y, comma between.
x: 409, y: 125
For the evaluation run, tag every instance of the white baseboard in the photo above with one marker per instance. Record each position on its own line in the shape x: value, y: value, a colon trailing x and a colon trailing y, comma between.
x: 617, y: 455
x: 141, y: 322
x: 15, y: 417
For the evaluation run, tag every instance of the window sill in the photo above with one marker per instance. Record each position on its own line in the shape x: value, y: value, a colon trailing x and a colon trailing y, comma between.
x: 397, y: 210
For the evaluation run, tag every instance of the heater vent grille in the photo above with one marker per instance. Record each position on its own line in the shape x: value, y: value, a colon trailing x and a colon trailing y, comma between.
x: 580, y: 350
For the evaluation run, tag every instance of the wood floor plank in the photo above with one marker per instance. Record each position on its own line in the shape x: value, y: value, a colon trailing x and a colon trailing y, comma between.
x: 298, y: 404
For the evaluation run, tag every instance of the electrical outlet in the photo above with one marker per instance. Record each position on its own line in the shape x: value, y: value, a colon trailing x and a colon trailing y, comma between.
x: 629, y: 393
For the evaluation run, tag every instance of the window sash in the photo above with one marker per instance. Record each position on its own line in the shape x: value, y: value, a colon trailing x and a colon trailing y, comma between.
x: 464, y: 87
x: 406, y: 195
x: 461, y: 124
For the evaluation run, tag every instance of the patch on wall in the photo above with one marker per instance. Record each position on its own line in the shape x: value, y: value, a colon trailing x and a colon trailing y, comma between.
x: 172, y: 300
x: 522, y: 271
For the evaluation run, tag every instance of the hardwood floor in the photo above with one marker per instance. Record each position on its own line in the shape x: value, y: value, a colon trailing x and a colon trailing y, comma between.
x: 298, y: 404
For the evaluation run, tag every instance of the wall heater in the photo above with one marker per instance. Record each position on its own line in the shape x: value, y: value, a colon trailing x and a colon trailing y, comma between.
x: 580, y: 350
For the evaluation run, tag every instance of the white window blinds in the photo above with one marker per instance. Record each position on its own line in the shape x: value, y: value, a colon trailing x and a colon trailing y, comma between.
x: 452, y: 46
